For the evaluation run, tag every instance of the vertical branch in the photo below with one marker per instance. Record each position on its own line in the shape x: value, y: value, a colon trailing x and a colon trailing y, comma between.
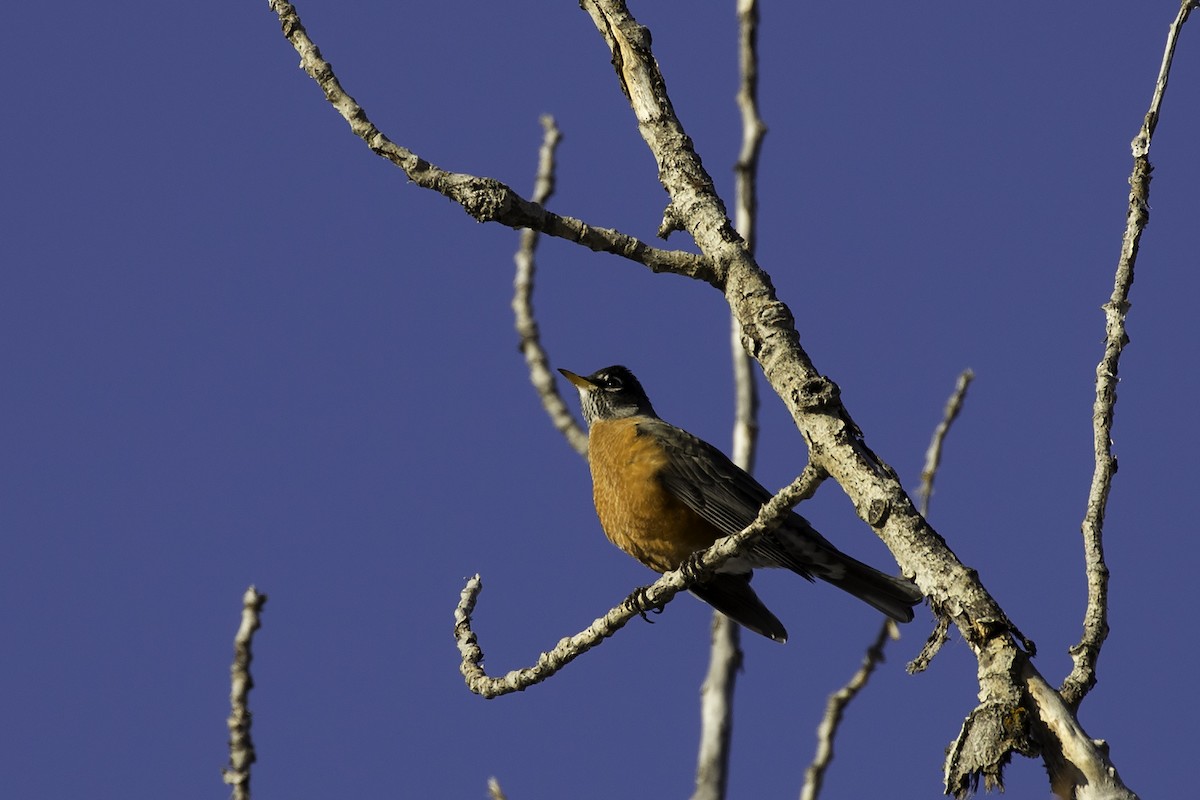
x: 1086, y: 652
x: 522, y: 303
x: 725, y: 656
x: 753, y: 129
x: 716, y: 709
x: 745, y: 430
x: 241, y: 747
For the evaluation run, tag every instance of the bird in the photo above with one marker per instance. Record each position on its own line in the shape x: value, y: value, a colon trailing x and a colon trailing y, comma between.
x: 663, y: 494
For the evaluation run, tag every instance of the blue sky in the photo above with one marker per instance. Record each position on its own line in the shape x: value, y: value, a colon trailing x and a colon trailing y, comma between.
x: 239, y: 348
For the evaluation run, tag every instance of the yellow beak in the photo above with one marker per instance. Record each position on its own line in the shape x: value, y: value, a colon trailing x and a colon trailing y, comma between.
x: 579, y: 381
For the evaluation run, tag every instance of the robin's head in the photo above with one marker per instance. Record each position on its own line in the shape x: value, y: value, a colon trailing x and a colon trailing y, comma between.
x: 610, y: 393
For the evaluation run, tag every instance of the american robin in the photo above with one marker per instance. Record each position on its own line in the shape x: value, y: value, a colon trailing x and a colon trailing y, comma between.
x: 662, y: 494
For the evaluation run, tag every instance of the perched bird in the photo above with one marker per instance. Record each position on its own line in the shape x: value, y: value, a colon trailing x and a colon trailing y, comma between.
x: 662, y: 494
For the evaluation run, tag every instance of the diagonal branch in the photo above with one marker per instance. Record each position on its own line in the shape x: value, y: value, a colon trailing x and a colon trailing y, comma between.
x: 933, y: 459
x: 485, y: 199
x: 835, y: 709
x: 768, y: 333
x: 933, y: 456
x: 1007, y: 717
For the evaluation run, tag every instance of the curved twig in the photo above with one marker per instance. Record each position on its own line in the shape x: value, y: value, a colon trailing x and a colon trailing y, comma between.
x: 639, y: 602
x: 522, y: 303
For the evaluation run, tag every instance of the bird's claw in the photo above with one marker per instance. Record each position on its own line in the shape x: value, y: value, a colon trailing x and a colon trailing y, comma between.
x: 639, y: 601
x: 692, y: 570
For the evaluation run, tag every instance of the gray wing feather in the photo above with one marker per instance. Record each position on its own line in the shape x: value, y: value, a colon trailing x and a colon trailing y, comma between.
x: 727, y: 497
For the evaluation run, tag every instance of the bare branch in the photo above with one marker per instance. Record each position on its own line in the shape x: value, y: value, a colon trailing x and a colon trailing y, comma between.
x: 522, y: 303
x: 1078, y: 765
x: 647, y: 598
x: 933, y: 459
x: 485, y: 199
x: 937, y: 637
x: 1086, y: 652
x: 694, y: 204
x: 753, y: 129
x: 1006, y: 718
x: 745, y: 430
x: 933, y: 456
x: 836, y: 444
x: 835, y: 709
x: 241, y: 746
x: 769, y: 335
x: 716, y: 709
x: 725, y: 656
x: 838, y: 701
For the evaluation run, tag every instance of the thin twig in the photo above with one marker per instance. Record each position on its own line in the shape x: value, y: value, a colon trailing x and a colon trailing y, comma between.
x: 485, y: 199
x: 241, y: 746
x: 933, y: 460
x: 1078, y: 765
x: 639, y: 602
x: 835, y: 709
x: 753, y: 129
x: 1086, y: 652
x: 522, y: 303
x: 933, y: 456
x: 933, y: 645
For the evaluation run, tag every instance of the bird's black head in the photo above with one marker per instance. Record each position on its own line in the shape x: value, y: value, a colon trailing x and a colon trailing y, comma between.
x: 610, y: 393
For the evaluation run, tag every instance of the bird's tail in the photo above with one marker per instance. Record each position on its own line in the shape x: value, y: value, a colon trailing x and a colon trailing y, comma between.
x: 730, y: 593
x: 892, y: 595
x: 799, y: 547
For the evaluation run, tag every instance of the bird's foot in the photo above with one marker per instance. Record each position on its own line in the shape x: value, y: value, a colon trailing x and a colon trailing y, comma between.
x: 639, y: 601
x: 692, y: 570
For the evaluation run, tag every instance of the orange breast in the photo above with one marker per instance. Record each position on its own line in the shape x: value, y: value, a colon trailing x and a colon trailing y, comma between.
x: 637, y: 512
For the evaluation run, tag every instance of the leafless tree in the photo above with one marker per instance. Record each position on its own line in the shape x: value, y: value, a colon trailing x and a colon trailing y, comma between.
x: 1019, y: 710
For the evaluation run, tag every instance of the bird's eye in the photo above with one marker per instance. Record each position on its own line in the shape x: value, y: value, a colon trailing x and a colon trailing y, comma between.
x: 613, y: 382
